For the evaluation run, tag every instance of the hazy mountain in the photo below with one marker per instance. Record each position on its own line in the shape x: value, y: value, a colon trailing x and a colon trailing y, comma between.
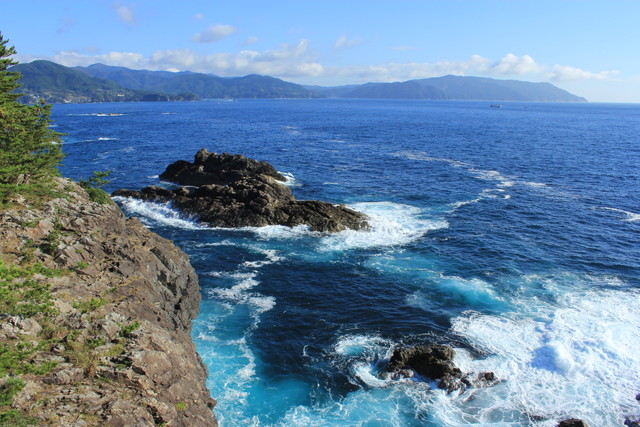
x: 202, y: 85
x: 98, y: 83
x: 59, y: 84
x: 464, y: 88
x: 401, y: 90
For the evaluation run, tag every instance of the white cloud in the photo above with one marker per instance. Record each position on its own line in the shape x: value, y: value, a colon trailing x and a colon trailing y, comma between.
x: 124, y: 13
x: 511, y: 64
x: 198, y: 17
x: 123, y: 59
x: 214, y: 33
x: 344, y: 42
x: 564, y: 73
x: 287, y: 61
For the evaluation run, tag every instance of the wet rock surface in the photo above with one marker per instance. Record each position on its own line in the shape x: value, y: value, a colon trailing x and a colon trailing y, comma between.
x: 224, y: 190
x: 434, y: 362
x: 120, y: 336
x: 573, y: 422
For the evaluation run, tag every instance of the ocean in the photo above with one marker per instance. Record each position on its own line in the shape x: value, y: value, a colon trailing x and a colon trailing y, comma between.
x: 511, y: 234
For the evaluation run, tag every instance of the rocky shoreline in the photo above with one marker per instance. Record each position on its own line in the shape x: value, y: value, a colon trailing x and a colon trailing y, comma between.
x: 111, y: 343
x: 224, y: 190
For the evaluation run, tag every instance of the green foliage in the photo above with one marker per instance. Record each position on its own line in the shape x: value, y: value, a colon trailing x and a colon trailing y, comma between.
x: 9, y: 389
x: 181, y: 406
x: 98, y: 179
x: 14, y: 418
x: 21, y: 295
x: 15, y: 359
x: 29, y: 150
x: 90, y: 305
x: 82, y: 265
x: 126, y: 330
x: 92, y: 186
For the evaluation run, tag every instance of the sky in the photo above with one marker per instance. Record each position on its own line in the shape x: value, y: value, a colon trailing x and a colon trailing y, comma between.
x: 590, y: 48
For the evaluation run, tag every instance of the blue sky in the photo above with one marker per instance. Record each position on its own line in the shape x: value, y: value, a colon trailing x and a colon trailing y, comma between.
x: 590, y: 48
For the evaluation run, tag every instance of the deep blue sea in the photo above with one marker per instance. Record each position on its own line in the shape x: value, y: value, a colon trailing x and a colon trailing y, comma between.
x: 511, y: 234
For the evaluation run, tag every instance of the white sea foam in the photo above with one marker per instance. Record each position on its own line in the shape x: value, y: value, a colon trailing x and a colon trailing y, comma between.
x: 628, y: 216
x: 392, y: 224
x: 290, y: 179
x: 575, y: 358
x: 424, y: 157
x: 280, y: 232
x: 356, y: 345
x: 491, y: 175
x: 152, y: 214
x: 241, y: 292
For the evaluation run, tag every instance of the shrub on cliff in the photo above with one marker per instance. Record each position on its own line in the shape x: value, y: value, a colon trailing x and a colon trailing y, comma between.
x: 29, y: 150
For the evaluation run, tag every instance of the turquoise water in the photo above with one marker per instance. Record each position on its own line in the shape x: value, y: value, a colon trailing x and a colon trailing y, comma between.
x: 511, y: 234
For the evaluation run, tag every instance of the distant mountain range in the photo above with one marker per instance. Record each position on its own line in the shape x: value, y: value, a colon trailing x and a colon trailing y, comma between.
x: 103, y: 83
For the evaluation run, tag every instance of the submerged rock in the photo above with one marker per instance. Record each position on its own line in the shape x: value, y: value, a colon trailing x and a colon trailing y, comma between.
x: 235, y: 191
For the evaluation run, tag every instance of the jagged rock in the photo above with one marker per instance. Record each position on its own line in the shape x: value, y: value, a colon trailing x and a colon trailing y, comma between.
x: 435, y: 362
x: 573, y: 422
x: 632, y: 421
x: 68, y: 375
x: 432, y: 361
x: 15, y: 326
x: 235, y: 191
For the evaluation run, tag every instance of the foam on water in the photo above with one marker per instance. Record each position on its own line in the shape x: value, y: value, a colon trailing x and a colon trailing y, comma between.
x: 392, y: 224
x: 152, y: 214
x: 628, y: 216
x: 574, y: 358
x: 290, y: 179
x: 356, y: 345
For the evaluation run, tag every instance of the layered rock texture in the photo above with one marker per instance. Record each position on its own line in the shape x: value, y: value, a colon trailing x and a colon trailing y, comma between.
x: 111, y: 342
x: 225, y: 190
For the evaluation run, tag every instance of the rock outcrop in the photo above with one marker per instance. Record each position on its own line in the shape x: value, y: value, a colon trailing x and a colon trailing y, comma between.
x: 114, y: 337
x: 225, y: 190
x: 434, y: 362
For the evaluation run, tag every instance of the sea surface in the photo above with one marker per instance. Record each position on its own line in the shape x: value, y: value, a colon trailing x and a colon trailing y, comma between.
x: 511, y: 234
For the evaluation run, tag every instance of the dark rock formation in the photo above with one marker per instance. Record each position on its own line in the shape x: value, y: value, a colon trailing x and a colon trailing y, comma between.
x: 234, y: 191
x: 573, y: 422
x: 120, y: 336
x: 435, y: 362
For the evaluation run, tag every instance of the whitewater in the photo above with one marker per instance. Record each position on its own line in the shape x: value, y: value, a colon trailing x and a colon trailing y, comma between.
x: 510, y: 234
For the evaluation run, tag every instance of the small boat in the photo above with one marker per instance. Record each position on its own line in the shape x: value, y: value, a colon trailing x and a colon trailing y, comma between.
x: 495, y: 105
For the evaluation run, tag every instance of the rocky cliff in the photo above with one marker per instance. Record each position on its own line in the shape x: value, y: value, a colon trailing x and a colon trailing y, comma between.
x: 101, y: 330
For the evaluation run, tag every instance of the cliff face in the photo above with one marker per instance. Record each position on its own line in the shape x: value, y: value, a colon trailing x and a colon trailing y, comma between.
x: 116, y: 346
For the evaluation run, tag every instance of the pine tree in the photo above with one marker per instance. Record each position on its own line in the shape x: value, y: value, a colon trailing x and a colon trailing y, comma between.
x: 30, y: 152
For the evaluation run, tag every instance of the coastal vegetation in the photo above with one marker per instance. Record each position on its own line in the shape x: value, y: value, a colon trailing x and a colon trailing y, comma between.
x: 79, y: 321
x: 29, y: 150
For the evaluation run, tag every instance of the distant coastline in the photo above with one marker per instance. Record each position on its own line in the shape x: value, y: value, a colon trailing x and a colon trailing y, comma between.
x: 56, y: 83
